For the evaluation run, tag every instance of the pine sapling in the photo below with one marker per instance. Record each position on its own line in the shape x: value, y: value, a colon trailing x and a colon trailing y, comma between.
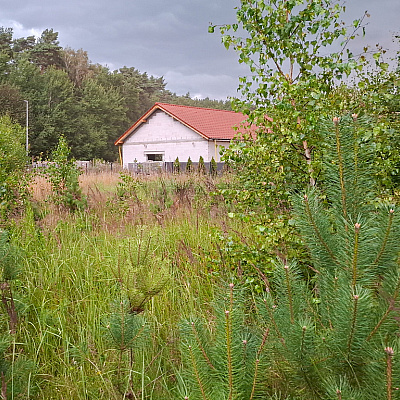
x: 225, y: 363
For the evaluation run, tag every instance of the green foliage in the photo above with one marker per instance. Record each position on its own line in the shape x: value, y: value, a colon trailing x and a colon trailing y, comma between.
x: 291, y: 65
x: 161, y: 195
x: 176, y: 166
x: 13, y: 156
x: 63, y: 175
x: 377, y: 95
x: 333, y: 335
x: 13, y: 182
x: 19, y: 379
x: 213, y: 167
x: 79, y: 267
x: 224, y: 364
x: 126, y: 192
x: 145, y: 274
x: 296, y: 52
x: 12, y: 103
x: 46, y: 52
x: 336, y: 338
x: 103, y: 112
x: 201, y: 168
x: 189, y: 165
x: 354, y: 249
x: 52, y: 110
x: 17, y: 372
x: 9, y: 259
x: 126, y: 332
x: 131, y: 191
x: 68, y: 95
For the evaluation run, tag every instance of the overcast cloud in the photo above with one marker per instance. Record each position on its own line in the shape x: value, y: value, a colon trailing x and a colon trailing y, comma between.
x: 166, y: 38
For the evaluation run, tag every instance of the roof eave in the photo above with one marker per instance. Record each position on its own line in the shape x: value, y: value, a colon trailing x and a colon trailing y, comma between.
x: 159, y: 106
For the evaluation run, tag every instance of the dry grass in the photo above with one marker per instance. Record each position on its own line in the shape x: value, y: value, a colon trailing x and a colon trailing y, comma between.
x: 105, y: 182
x: 40, y: 188
x: 161, y: 199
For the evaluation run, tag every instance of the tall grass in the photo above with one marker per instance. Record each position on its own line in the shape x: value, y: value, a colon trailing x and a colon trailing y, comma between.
x: 71, y: 281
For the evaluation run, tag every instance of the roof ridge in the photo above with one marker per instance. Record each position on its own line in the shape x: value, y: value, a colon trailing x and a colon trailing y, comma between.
x: 199, y: 108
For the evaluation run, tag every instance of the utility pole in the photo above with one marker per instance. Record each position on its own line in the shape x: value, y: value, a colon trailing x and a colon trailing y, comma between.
x: 27, y: 128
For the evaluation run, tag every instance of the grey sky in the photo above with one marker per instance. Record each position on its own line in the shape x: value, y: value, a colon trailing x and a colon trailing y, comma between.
x: 166, y: 38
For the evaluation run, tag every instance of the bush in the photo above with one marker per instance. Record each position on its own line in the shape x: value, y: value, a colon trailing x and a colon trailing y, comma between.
x: 213, y: 167
x: 63, y: 175
x: 189, y: 165
x: 201, y: 169
x: 177, y: 166
x: 13, y: 182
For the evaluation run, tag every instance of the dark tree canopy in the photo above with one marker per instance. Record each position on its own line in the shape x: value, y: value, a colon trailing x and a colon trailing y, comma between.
x: 70, y: 96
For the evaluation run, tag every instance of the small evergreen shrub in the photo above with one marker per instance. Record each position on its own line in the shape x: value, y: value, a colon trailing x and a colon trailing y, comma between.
x: 201, y: 169
x: 189, y: 166
x: 63, y: 175
x: 213, y: 167
x: 176, y: 166
x: 225, y: 364
x: 128, y: 334
x: 126, y: 194
x: 143, y: 274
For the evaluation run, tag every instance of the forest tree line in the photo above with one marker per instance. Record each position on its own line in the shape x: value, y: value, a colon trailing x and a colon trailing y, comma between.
x: 68, y: 95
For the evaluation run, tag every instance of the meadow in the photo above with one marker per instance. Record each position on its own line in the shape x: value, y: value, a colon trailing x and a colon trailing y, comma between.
x: 145, y: 246
x: 167, y: 287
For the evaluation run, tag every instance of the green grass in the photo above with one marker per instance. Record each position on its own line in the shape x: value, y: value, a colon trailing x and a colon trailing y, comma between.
x: 71, y: 281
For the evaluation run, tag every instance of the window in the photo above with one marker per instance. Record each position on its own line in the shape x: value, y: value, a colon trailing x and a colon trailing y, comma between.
x: 154, y: 157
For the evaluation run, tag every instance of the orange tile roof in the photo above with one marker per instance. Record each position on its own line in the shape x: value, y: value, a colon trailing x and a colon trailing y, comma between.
x: 207, y: 122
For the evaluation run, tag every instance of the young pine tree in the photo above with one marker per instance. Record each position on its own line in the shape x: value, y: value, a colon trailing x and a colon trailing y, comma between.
x: 189, y: 166
x: 213, y: 167
x: 176, y: 166
x: 201, y: 168
x: 336, y: 336
x: 224, y: 364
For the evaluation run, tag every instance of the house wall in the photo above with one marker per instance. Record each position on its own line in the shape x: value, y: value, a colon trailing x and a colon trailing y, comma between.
x: 214, y: 148
x: 162, y: 134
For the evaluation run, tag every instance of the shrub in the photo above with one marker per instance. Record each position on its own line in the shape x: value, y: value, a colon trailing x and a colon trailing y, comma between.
x: 63, y: 174
x: 13, y: 180
x: 176, y: 166
x: 189, y: 165
x: 201, y: 169
x: 213, y: 167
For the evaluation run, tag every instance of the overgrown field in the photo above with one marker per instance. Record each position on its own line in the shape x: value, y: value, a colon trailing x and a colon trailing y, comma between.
x: 151, y: 248
x: 167, y: 287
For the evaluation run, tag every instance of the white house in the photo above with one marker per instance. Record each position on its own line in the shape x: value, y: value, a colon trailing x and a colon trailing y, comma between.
x: 168, y: 131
